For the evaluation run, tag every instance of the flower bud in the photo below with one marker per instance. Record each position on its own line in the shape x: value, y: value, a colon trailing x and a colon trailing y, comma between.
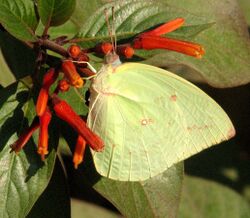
x: 74, y: 51
x: 125, y: 50
x: 103, y: 48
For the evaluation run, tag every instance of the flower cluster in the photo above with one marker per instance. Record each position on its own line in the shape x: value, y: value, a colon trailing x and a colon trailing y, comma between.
x: 46, y: 103
x: 72, y: 68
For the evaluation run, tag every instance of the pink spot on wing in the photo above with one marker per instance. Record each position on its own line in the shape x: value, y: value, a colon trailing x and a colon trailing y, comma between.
x: 173, y: 97
x: 146, y: 121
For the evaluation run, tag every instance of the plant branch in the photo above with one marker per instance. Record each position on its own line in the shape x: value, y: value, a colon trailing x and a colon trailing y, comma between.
x: 48, y: 44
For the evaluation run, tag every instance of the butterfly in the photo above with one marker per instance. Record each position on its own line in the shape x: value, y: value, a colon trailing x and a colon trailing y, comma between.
x: 149, y: 120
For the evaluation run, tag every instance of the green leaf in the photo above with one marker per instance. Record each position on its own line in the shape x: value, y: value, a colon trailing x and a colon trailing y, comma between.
x: 190, y: 31
x: 226, y: 62
x: 83, y: 10
x: 67, y: 29
x: 131, y: 17
x: 155, y: 197
x: 19, y: 58
x: 55, y: 12
x: 203, y: 198
x: 18, y: 17
x: 55, y: 201
x: 6, y: 76
x: 24, y: 176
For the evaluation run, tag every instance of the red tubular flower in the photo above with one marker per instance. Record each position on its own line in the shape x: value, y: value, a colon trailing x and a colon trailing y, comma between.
x: 42, y: 100
x: 25, y: 136
x: 79, y: 151
x: 49, y: 78
x: 64, y: 111
x: 43, y: 134
x: 152, y: 40
x: 71, y: 74
x: 125, y: 50
x: 157, y: 42
x: 165, y: 28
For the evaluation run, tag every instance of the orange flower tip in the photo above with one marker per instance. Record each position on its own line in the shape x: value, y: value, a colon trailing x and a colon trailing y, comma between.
x: 79, y: 151
x: 42, y: 152
x: 74, y: 51
x: 42, y: 101
x: 78, y: 83
x: 71, y: 74
x: 196, y: 51
x: 77, y: 160
x: 199, y: 53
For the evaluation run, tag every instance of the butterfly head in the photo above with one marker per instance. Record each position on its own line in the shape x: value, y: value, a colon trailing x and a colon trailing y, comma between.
x: 113, y: 59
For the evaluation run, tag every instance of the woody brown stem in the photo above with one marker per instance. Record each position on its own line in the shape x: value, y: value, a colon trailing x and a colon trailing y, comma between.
x: 48, y: 44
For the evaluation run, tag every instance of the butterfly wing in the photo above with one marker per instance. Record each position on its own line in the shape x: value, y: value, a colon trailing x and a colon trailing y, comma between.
x: 151, y: 119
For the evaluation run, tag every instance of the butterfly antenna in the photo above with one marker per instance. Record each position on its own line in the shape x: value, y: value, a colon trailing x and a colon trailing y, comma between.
x: 110, y: 29
x: 113, y: 28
